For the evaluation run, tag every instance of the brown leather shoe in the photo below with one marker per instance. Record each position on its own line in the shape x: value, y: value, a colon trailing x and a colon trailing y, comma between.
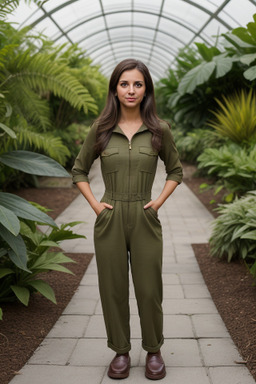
x: 120, y: 366
x: 155, y: 368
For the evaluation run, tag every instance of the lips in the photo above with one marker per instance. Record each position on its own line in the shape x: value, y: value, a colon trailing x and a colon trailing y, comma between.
x: 131, y: 98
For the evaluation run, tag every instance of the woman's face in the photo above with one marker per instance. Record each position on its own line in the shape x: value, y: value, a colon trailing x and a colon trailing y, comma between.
x: 131, y: 88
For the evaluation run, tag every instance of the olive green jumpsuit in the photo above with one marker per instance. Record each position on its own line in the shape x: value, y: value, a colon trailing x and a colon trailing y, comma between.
x: 128, y: 233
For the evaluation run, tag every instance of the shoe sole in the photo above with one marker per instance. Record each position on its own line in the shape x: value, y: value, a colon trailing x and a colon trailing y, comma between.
x: 155, y: 377
x: 118, y: 375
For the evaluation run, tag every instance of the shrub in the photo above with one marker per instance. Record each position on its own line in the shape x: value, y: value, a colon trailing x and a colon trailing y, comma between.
x: 192, y: 144
x: 235, y: 167
x: 236, y: 118
x: 234, y: 231
x: 73, y: 137
x: 18, y: 276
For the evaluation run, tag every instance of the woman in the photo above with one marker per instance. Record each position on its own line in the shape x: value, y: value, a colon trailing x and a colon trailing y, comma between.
x: 128, y: 136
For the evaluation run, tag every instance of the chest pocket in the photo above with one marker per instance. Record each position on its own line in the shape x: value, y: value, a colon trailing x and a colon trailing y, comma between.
x: 148, y: 159
x: 110, y: 160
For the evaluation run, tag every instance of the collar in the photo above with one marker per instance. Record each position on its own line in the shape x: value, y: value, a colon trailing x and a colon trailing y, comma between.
x: 142, y: 128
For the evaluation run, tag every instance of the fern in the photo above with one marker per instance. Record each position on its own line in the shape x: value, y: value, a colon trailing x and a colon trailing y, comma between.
x: 28, y: 104
x: 50, y: 145
x: 40, y: 73
x: 8, y: 6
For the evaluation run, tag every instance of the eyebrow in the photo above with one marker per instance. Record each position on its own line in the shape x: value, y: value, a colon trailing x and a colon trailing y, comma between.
x: 136, y: 81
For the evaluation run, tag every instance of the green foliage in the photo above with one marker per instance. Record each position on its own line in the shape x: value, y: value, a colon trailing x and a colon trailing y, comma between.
x: 235, y: 167
x: 190, y: 145
x: 19, y: 276
x: 73, y: 137
x: 203, y: 74
x: 47, y: 143
x: 220, y: 65
x: 8, y: 6
x: 234, y: 231
x: 236, y: 118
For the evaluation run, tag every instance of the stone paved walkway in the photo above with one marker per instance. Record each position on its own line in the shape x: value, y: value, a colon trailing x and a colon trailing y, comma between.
x: 197, y: 348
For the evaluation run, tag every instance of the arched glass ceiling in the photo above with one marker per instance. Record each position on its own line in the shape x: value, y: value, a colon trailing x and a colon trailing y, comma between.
x: 149, y: 30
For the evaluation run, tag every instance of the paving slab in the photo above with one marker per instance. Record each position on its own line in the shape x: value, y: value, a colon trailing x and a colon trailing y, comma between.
x: 198, y: 348
x: 209, y: 326
x: 219, y: 352
x: 230, y: 375
x: 44, y: 374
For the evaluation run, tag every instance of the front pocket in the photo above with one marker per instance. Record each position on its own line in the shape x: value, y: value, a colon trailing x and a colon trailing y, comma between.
x: 153, y: 212
x: 110, y: 160
x: 148, y: 159
x: 101, y: 214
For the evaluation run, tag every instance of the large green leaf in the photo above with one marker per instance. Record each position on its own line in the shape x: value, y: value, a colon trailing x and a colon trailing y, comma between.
x: 44, y: 288
x: 56, y: 267
x: 18, y: 252
x: 250, y: 74
x: 195, y: 77
x: 248, y: 58
x: 237, y: 42
x: 5, y: 271
x: 21, y: 208
x: 8, y: 130
x: 223, y: 65
x: 33, y: 163
x: 9, y: 220
x: 207, y: 53
x: 21, y: 293
x: 244, y: 35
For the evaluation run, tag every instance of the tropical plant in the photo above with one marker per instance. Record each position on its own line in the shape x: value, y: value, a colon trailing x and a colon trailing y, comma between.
x: 30, y: 79
x: 236, y: 118
x: 234, y: 230
x: 234, y: 167
x: 19, y: 277
x: 190, y: 92
x: 191, y: 144
x: 8, y: 6
x: 89, y: 76
x: 73, y: 137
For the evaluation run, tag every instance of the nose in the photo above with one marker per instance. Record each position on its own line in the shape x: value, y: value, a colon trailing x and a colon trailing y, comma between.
x: 131, y: 89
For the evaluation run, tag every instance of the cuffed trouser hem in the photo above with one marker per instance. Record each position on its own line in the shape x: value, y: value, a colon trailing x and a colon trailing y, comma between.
x: 153, y: 349
x: 119, y: 350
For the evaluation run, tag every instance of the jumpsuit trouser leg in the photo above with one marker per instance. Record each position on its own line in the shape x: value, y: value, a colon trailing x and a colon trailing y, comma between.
x: 129, y: 230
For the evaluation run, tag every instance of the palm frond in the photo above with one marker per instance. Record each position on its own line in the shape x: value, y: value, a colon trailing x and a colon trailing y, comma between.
x: 28, y: 103
x: 52, y: 146
x: 8, y: 6
x: 40, y: 73
x: 5, y: 52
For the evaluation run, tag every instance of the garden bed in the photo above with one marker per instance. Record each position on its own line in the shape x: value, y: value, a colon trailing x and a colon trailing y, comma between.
x: 22, y: 328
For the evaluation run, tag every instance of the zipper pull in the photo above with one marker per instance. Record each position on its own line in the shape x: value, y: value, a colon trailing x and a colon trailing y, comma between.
x: 130, y: 145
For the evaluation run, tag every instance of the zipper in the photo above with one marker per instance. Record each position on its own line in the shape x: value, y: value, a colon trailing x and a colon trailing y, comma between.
x: 129, y: 185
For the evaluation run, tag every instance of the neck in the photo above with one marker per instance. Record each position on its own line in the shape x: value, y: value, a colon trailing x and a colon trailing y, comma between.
x: 128, y: 115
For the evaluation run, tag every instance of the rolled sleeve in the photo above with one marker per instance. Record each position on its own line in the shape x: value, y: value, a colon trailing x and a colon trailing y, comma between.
x: 85, y: 158
x: 170, y: 156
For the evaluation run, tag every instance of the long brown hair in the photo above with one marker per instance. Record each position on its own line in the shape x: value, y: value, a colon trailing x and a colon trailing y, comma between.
x: 110, y: 115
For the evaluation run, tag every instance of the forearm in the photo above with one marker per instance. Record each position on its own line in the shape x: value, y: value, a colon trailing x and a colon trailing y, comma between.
x: 86, y: 191
x: 168, y: 189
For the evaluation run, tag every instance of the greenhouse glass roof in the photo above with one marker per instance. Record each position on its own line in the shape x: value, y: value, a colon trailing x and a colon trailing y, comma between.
x: 149, y: 30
